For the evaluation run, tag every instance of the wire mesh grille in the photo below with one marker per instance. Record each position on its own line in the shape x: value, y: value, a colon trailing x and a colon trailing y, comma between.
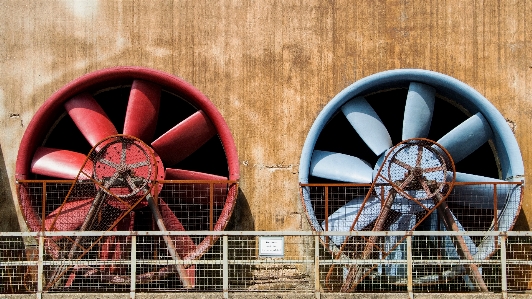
x: 97, y: 261
x: 234, y: 263
x: 471, y: 206
x: 18, y: 266
x: 477, y: 206
x: 249, y: 271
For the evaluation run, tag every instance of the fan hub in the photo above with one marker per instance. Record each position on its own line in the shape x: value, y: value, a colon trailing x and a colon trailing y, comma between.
x: 126, y: 168
x: 417, y: 172
x: 418, y: 165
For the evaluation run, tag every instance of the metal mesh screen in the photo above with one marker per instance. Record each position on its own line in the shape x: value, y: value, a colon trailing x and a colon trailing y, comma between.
x: 479, y: 207
x: 473, y: 204
x: 103, y: 263
x: 235, y: 264
x: 18, y: 265
x: 251, y: 271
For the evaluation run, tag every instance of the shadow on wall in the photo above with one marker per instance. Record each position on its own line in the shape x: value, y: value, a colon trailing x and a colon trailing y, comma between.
x: 241, y: 219
x: 522, y: 223
x: 8, y: 214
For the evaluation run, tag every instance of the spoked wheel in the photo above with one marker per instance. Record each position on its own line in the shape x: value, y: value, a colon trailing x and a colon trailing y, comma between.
x: 421, y: 166
x: 180, y: 127
x: 364, y: 121
x: 122, y: 167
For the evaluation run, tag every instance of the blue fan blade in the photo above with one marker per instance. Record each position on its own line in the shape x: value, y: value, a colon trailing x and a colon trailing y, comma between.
x: 404, y: 223
x: 467, y: 177
x: 340, y: 167
x: 449, y: 246
x: 418, y: 111
x: 452, y: 253
x: 479, y: 196
x: 466, y: 137
x: 342, y: 219
x: 367, y: 124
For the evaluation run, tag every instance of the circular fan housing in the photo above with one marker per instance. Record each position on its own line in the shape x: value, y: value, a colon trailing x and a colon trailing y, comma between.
x: 356, y: 135
x: 484, y: 124
x: 185, y: 131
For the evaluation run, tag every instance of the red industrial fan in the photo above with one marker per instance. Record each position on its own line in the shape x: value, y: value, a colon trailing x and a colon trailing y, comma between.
x: 169, y: 131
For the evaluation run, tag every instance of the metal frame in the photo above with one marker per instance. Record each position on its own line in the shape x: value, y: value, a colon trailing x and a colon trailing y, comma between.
x: 313, y: 261
x: 329, y: 185
x: 233, y: 184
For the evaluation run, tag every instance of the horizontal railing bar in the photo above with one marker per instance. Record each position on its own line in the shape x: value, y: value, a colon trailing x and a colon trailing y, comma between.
x: 179, y: 262
x: 267, y: 233
x: 159, y: 181
x: 415, y: 262
x: 334, y: 185
x: 18, y: 263
x: 112, y: 262
x: 456, y: 262
x: 50, y: 181
x: 128, y: 262
x: 518, y: 262
x: 344, y: 261
x: 384, y: 184
x: 74, y: 262
x: 269, y: 262
x: 261, y: 261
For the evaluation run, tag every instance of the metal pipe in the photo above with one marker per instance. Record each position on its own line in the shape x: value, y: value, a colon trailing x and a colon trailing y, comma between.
x: 225, y: 269
x: 169, y: 243
x: 133, y: 276
x: 504, y: 272
x: 317, y: 267
x: 409, y: 265
x: 463, y: 250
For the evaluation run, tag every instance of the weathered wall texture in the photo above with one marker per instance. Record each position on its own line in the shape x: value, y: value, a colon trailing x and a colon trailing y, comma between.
x: 269, y: 67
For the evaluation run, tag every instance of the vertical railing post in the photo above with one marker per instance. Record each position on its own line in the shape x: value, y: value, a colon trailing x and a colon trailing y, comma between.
x: 326, y: 215
x: 40, y: 267
x: 211, y: 206
x: 504, y: 278
x: 132, y: 289
x: 43, y: 207
x: 317, y: 266
x: 225, y: 269
x: 495, y: 211
x: 409, y: 265
x: 326, y: 208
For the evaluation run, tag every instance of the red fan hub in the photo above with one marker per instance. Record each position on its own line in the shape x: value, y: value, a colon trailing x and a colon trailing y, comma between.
x: 126, y: 168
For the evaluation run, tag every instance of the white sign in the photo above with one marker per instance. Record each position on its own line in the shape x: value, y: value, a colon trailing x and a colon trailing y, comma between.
x: 271, y: 246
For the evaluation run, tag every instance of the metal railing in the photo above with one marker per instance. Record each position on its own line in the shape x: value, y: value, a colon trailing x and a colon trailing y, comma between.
x: 242, y: 261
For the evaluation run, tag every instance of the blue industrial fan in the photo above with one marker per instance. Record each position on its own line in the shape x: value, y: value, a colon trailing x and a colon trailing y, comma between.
x: 412, y: 203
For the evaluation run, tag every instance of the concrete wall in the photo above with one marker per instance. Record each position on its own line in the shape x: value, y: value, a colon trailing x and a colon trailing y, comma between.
x: 269, y: 67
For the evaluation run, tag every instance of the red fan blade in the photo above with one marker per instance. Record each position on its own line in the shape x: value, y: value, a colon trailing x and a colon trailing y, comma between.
x: 181, y: 174
x: 200, y: 193
x: 105, y: 250
x: 184, y: 139
x: 57, y: 163
x: 183, y: 244
x: 142, y: 110
x: 113, y: 245
x: 69, y: 216
x: 90, y: 118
